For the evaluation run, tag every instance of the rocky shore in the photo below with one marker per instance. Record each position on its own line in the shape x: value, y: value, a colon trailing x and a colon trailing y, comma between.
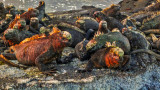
x: 67, y: 77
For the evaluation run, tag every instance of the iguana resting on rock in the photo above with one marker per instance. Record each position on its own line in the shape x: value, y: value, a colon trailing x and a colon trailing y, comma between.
x: 39, y: 50
x: 26, y: 15
x: 77, y: 34
x: 41, y: 9
x: 19, y: 32
x: 85, y: 48
x: 147, y: 19
x: 113, y: 57
x: 37, y: 12
x: 71, y: 16
x: 5, y: 22
x: 86, y: 23
x: 34, y: 25
x: 113, y: 11
x: 111, y: 22
x: 109, y: 57
x: 136, y: 38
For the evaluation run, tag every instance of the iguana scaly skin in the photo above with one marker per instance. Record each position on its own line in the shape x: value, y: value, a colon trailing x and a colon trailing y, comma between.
x: 77, y: 34
x: 151, y: 23
x: 148, y: 19
x: 39, y: 50
x: 86, y: 48
x: 86, y: 23
x: 100, y: 40
x: 109, y: 57
x: 137, y: 39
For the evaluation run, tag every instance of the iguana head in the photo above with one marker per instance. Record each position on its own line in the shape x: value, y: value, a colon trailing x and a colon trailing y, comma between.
x: 113, y: 56
x: 20, y: 24
x: 60, y: 39
x: 41, y: 3
x: 98, y: 15
x: 32, y: 12
x: 93, y: 41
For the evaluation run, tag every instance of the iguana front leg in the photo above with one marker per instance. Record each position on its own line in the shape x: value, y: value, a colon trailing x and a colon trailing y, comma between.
x: 43, y: 58
x: 66, y: 59
x: 89, y: 67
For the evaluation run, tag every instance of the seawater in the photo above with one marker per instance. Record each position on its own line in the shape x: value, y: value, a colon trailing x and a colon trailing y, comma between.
x: 59, y: 5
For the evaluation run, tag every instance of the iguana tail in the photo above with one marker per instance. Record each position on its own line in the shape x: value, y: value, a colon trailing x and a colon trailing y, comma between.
x: 3, y: 59
x: 147, y: 51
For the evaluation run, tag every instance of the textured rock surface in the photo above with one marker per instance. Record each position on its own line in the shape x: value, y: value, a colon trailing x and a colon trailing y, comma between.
x: 67, y: 78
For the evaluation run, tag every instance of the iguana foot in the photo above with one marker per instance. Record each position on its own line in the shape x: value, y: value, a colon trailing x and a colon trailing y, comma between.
x: 50, y: 72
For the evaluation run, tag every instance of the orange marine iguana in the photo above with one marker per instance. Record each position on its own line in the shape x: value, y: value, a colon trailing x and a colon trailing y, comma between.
x: 40, y: 49
x: 26, y: 16
x: 32, y: 12
x: 38, y: 12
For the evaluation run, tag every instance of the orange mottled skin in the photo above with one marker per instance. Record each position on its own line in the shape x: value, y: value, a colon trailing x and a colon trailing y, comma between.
x: 27, y: 52
x: 39, y: 50
x: 111, y: 60
x: 105, y: 58
x: 26, y: 15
